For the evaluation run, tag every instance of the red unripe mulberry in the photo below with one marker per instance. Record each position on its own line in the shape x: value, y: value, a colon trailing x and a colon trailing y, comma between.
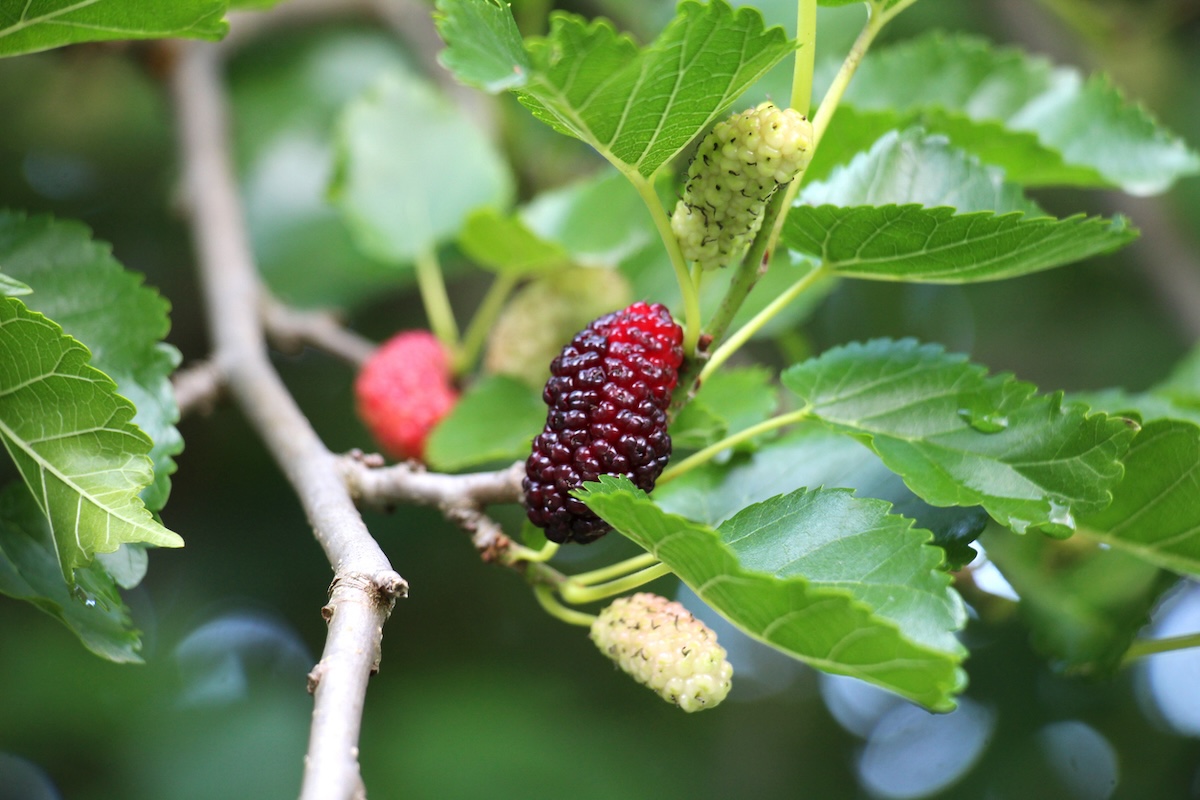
x: 403, y: 391
x: 608, y: 395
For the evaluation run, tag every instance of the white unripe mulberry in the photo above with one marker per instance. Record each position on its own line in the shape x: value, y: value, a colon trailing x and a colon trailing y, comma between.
x: 661, y: 645
x: 737, y: 168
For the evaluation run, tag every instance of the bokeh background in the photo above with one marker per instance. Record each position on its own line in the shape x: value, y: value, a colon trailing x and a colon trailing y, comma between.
x: 481, y: 694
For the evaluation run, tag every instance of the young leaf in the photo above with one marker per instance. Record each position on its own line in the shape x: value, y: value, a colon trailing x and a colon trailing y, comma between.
x: 991, y: 100
x: 411, y: 168
x: 911, y: 166
x: 85, y: 290
x: 809, y: 457
x: 1084, y: 604
x: 495, y: 420
x: 1155, y: 512
x: 27, y: 27
x: 820, y: 619
x: 729, y: 401
x: 29, y: 570
x: 960, y: 437
x: 504, y: 244
x: 935, y: 245
x: 11, y: 287
x: 637, y: 107
x: 73, y: 440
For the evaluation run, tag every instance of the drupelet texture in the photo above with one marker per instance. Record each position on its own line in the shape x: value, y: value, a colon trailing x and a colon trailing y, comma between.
x: 608, y: 394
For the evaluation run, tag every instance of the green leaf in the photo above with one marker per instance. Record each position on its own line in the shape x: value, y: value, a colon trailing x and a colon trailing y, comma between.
x: 729, y: 401
x: 73, y: 440
x: 485, y: 48
x: 27, y: 27
x: 286, y: 95
x: 1147, y: 406
x: 1155, y: 512
x: 935, y: 245
x: 960, y: 437
x: 495, y: 420
x: 1083, y: 604
x: 411, y: 168
x: 831, y: 538
x: 637, y: 107
x: 504, y: 244
x: 819, y: 620
x: 812, y: 457
x: 85, y: 290
x: 29, y: 570
x: 11, y: 287
x: 912, y: 166
x: 599, y: 221
x: 1088, y: 133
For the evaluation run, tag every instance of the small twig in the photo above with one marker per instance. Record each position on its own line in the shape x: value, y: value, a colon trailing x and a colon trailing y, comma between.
x: 291, y: 330
x: 198, y: 388
x: 461, y: 498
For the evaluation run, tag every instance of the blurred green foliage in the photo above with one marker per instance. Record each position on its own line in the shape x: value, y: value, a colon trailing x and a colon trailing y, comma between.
x: 481, y: 695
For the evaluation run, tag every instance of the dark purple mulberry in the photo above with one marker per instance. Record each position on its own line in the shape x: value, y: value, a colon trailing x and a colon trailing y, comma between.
x: 608, y: 395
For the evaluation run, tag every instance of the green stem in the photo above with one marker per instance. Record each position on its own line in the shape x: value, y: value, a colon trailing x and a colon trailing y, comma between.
x: 1149, y: 647
x: 432, y: 286
x: 704, y: 456
x: 687, y: 287
x: 577, y: 595
x: 802, y: 73
x: 617, y: 570
x: 743, y: 335
x: 833, y: 96
x: 545, y: 596
x: 521, y: 553
x: 481, y: 323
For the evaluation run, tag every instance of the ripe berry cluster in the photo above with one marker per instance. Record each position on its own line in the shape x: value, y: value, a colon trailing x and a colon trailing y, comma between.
x: 608, y: 394
x: 661, y: 645
x: 737, y: 168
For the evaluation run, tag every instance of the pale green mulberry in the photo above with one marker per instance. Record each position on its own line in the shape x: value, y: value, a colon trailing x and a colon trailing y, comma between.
x: 737, y: 168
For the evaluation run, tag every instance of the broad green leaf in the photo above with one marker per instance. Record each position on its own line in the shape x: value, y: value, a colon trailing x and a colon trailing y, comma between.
x: 29, y: 570
x: 85, y: 290
x: 494, y: 421
x: 960, y: 437
x: 504, y: 244
x: 11, y: 287
x: 1155, y: 512
x: 410, y: 168
x: 912, y: 166
x: 27, y: 26
x: 998, y: 97
x: 831, y: 538
x: 935, y: 245
x: 1083, y: 604
x: 73, y: 440
x: 286, y: 94
x: 813, y: 457
x: 637, y: 106
x: 819, y: 621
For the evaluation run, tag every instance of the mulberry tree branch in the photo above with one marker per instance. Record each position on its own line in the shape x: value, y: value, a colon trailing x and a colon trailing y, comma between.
x: 365, y: 585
